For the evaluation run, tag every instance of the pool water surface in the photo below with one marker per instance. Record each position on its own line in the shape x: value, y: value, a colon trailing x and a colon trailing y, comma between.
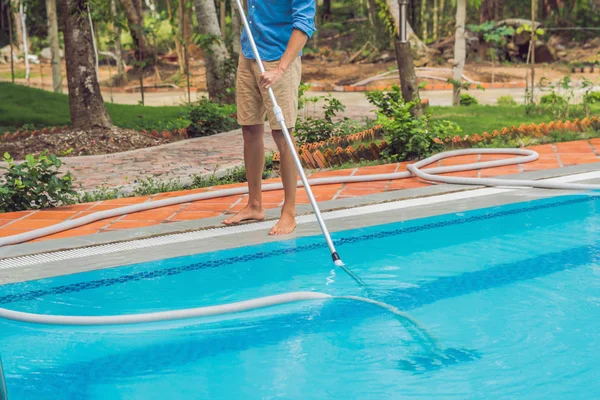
x: 506, y: 301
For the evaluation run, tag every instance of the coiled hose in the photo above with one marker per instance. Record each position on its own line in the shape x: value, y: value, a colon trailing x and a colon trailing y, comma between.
x: 430, y: 175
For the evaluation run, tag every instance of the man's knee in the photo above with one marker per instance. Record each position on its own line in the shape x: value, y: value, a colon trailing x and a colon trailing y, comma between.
x: 253, y: 132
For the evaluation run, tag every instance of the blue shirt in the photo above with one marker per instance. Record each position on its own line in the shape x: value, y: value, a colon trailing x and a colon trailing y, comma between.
x: 271, y: 23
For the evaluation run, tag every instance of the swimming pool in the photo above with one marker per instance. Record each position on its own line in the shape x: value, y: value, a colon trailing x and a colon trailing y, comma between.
x: 510, y: 294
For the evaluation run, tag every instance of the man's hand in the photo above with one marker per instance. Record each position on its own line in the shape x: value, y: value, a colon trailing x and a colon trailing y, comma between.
x: 269, y: 78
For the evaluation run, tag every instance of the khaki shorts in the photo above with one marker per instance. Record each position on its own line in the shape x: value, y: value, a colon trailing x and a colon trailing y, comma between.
x: 253, y: 102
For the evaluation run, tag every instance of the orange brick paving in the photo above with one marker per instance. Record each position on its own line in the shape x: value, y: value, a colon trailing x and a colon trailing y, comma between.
x: 551, y: 156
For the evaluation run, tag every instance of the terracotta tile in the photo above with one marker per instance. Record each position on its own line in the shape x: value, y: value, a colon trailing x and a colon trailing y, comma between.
x: 337, y: 172
x: 574, y: 147
x: 31, y: 224
x: 378, y: 185
x: 540, y: 166
x: 220, y: 200
x: 576, y: 160
x: 52, y: 214
x: 509, y: 170
x: 102, y: 207
x: 189, y: 215
x: 466, y: 174
x: 126, y: 201
x: 543, y: 149
x: 377, y: 169
x: 468, y: 159
x: 493, y: 157
x: 100, y: 224
x: 406, y: 184
x: 77, y: 207
x: 72, y: 233
x: 348, y: 192
x: 325, y: 188
x: 16, y: 214
x: 11, y: 232
x: 204, y: 206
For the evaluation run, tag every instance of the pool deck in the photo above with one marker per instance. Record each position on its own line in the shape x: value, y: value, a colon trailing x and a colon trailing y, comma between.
x: 555, y: 160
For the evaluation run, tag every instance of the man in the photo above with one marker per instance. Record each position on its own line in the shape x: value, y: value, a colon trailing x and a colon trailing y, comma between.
x: 281, y: 29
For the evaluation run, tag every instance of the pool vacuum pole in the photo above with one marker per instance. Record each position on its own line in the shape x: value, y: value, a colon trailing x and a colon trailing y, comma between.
x: 279, y: 116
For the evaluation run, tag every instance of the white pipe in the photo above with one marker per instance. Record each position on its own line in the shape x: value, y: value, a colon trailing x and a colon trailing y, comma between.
x: 413, y: 170
x: 290, y: 143
x: 24, y: 32
x: 412, y: 326
x: 188, y: 313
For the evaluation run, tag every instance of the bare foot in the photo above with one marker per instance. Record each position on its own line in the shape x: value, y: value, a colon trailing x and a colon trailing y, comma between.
x: 285, y: 226
x: 247, y: 214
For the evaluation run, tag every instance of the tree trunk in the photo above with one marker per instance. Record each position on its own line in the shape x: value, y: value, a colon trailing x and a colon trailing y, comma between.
x: 220, y: 68
x: 491, y: 10
x: 25, y: 47
x: 85, y: 100
x: 436, y: 21
x: 424, y: 20
x: 460, y: 46
x: 18, y: 28
x: 222, y: 18
x: 408, y: 78
x: 135, y: 18
x: 54, y: 45
x: 177, y: 34
x: 117, y: 38
x: 326, y: 13
x: 235, y: 29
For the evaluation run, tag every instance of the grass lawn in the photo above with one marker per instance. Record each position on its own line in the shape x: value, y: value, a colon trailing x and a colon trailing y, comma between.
x: 22, y: 105
x: 35, y: 108
x: 480, y: 118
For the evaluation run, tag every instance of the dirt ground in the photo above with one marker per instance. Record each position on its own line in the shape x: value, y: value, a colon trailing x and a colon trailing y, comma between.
x: 314, y: 71
x: 82, y: 143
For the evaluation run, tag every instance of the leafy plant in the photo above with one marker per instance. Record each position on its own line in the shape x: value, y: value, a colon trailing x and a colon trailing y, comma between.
x: 315, y: 129
x: 467, y: 100
x: 506, y: 101
x: 34, y: 183
x: 386, y: 102
x: 593, y: 97
x: 301, y: 93
x: 209, y: 118
x: 408, y: 137
x: 527, y: 28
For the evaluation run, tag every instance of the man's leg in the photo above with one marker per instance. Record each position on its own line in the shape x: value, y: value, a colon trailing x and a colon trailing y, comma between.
x: 254, y: 160
x: 289, y: 177
x: 251, y: 116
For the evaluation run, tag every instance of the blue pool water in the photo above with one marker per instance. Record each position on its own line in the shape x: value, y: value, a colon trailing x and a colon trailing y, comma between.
x: 510, y: 296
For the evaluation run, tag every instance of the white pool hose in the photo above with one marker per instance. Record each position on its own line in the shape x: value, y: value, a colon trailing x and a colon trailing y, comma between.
x: 411, y: 325
x: 430, y: 174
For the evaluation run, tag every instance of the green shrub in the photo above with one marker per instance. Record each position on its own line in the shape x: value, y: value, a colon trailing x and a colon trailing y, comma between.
x: 467, y: 100
x: 592, y: 98
x: 553, y: 99
x: 386, y: 102
x: 301, y: 94
x: 209, y: 118
x: 408, y: 137
x: 314, y: 129
x: 506, y: 101
x: 34, y: 184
